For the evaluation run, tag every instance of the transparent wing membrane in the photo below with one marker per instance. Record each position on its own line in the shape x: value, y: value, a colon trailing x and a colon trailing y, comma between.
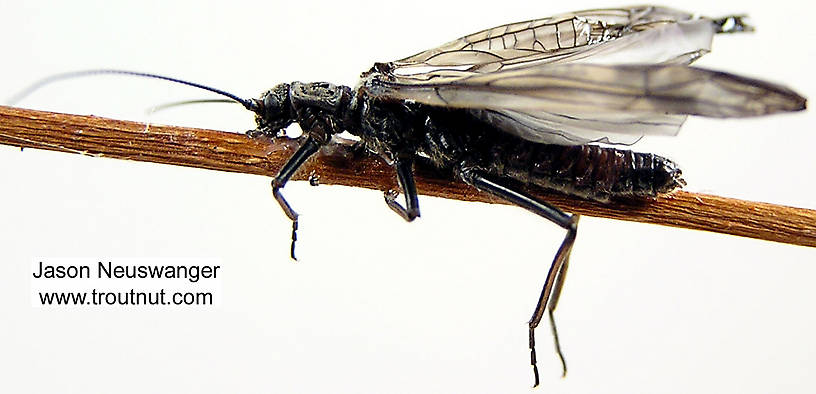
x: 561, y: 129
x: 608, y: 89
x: 582, y: 100
x: 637, y: 35
x: 608, y: 76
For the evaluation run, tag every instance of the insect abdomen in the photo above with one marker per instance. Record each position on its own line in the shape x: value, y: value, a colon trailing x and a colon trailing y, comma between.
x: 588, y: 171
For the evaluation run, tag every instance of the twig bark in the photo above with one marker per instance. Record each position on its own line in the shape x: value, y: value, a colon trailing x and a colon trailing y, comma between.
x: 238, y: 153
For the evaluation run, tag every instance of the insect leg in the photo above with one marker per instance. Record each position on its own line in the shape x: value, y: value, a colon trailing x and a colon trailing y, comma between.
x: 279, y: 181
x: 555, y: 278
x: 405, y: 176
x: 553, y: 303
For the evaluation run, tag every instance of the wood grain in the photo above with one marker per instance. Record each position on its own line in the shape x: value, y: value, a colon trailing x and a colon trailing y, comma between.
x: 216, y: 150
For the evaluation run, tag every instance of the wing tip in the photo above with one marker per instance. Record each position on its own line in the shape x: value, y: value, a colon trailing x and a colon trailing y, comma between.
x: 802, y: 104
x: 794, y: 102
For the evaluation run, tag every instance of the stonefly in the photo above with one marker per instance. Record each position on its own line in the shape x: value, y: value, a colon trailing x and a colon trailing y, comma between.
x: 533, y: 104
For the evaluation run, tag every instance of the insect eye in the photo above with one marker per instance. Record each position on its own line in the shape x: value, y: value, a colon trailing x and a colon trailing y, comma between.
x: 275, y: 114
x: 271, y: 102
x: 276, y: 101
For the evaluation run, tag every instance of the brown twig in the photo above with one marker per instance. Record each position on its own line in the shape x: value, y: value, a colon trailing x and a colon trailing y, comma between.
x: 238, y: 153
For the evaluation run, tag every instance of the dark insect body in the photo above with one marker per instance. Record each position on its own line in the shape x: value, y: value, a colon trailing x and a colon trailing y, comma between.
x: 529, y: 104
x: 454, y: 139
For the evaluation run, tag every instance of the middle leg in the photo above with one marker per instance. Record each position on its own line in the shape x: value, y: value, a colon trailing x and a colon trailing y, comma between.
x: 405, y: 177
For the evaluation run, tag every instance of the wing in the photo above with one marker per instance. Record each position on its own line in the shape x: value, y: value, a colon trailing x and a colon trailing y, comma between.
x: 544, y: 104
x: 635, y: 35
x: 607, y: 90
x: 594, y: 76
x: 579, y: 129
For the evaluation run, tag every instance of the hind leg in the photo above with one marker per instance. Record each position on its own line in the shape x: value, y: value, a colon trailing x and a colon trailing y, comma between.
x: 557, y: 273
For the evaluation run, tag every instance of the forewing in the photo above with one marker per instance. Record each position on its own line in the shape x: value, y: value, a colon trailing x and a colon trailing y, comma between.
x: 606, y: 89
x: 645, y: 34
x: 605, y: 103
x: 592, y: 76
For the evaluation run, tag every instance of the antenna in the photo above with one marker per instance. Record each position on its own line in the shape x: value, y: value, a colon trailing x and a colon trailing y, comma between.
x: 162, y: 107
x: 247, y: 103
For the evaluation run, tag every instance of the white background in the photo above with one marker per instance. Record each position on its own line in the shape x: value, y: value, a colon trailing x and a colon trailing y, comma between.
x: 375, y: 304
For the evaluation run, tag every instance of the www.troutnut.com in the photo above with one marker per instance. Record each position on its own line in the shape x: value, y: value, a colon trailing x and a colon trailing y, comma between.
x: 136, y: 282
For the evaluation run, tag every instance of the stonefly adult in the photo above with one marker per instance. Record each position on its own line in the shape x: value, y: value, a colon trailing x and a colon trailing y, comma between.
x: 533, y: 104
